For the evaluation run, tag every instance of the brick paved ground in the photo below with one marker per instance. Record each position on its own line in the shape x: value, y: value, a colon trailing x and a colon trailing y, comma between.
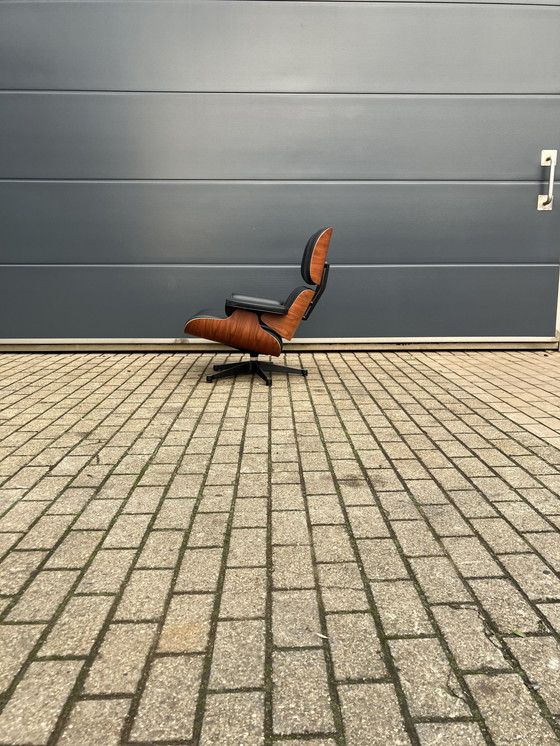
x: 365, y: 557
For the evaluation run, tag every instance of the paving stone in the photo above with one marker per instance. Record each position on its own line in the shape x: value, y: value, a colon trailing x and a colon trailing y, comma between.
x: 250, y: 512
x: 17, y: 568
x: 143, y: 500
x: 292, y: 567
x: 470, y: 557
x: 443, y: 734
x: 509, y: 712
x: 324, y: 509
x: 471, y: 640
x: 107, y: 571
x: 77, y: 628
x: 371, y: 715
x: 144, y: 595
x: 20, y: 516
x: 75, y: 550
x: 208, y: 530
x: 446, y: 520
x: 439, y: 580
x: 431, y: 689
x: 72, y: 501
x: 238, y: 657
x: 247, y: 547
x: 523, y: 517
x: 119, y: 662
x: 533, y: 576
x: 187, y: 624
x: 356, y: 492
x: 234, y: 718
x: 398, y: 506
x: 174, y: 513
x: 199, y: 570
x: 295, y: 619
x: 168, y: 704
x: 42, y: 598
x: 549, y: 547
x: 355, y: 647
x: 95, y: 722
x: 289, y: 527
x: 400, y: 609
x: 552, y: 613
x: 426, y: 492
x: 46, y: 532
x: 472, y: 504
x: 31, y: 714
x: 16, y: 642
x: 366, y: 522
x: 127, y: 531
x: 98, y: 514
x: 415, y: 538
x: 161, y: 549
x: 300, y: 697
x: 244, y: 593
x: 508, y: 609
x: 342, y: 588
x: 540, y: 659
x: 381, y: 560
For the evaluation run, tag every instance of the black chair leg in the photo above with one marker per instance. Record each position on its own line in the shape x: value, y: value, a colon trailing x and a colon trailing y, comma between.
x: 252, y: 366
x: 283, y: 368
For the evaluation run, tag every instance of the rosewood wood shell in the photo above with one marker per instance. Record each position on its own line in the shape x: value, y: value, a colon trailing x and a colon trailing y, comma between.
x: 320, y: 256
x: 287, y: 325
x: 242, y: 330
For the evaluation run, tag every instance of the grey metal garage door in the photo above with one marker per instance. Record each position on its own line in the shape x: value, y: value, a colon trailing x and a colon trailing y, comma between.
x: 155, y: 156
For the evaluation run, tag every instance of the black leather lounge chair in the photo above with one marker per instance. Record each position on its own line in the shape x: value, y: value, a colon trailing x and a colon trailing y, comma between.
x: 258, y: 325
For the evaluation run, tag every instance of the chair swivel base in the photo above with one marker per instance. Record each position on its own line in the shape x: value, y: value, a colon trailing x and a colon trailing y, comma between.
x: 252, y: 366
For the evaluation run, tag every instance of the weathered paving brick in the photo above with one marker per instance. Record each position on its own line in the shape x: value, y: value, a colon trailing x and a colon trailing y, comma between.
x: 168, y: 704
x: 95, y: 722
x: 161, y: 549
x: 366, y: 522
x: 289, y: 527
x: 250, y: 513
x: 355, y: 647
x: 540, y: 659
x: 371, y: 715
x: 247, y: 547
x: 78, y: 626
x: 119, y: 662
x: 295, y: 619
x: 31, y: 714
x: 439, y: 580
x: 144, y: 595
x: 46, y: 532
x: 381, y: 560
x: 21, y: 516
x: 127, y: 531
x: 233, y: 718
x: 400, y: 609
x: 523, y: 517
x: 443, y: 734
x: 174, y: 513
x: 509, y: 712
x: 342, y: 588
x: 431, y: 689
x: 208, y: 530
x: 548, y: 545
x: 98, y: 514
x: 187, y: 624
x: 199, y: 570
x: 505, y: 605
x: 415, y: 538
x: 292, y: 568
x: 244, y: 592
x: 238, y: 657
x: 470, y: 557
x: 472, y: 504
x: 17, y: 568
x: 472, y: 642
x: 534, y: 577
x: 107, y: 571
x: 42, y: 598
x: 300, y: 697
x: 75, y: 550
x: 16, y: 643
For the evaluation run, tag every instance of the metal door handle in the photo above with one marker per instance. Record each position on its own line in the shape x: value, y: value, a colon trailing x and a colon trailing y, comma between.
x: 548, y: 158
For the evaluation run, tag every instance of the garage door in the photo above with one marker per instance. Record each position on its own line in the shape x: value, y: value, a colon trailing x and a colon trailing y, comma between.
x: 155, y: 156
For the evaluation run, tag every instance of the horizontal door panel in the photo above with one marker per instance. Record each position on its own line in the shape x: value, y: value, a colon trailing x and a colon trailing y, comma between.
x: 228, y: 136
x: 280, y: 46
x: 148, y: 302
x: 268, y: 223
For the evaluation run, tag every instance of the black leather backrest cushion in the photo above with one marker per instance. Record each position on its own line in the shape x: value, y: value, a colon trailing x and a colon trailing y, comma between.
x: 308, y: 256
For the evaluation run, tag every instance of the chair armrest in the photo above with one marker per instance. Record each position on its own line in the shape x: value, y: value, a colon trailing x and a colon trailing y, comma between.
x: 264, y: 305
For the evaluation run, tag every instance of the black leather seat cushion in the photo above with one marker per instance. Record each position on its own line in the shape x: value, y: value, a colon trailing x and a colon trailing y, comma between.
x: 266, y: 305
